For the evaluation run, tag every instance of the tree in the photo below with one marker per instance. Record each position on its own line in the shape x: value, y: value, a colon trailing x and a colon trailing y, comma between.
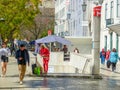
x: 16, y: 14
x: 41, y: 24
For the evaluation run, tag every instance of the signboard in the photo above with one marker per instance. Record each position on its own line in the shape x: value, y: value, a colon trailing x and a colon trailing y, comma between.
x: 49, y: 32
x: 51, y: 69
x: 97, y: 11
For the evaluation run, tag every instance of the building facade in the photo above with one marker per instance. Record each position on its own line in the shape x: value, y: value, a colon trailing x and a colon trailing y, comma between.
x: 70, y: 18
x: 110, y: 24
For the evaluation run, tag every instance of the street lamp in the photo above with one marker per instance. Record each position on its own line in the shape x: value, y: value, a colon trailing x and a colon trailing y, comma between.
x: 84, y: 5
x: 68, y: 16
x: 100, y: 1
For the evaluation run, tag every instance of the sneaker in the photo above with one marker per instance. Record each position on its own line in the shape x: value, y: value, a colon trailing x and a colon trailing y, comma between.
x: 21, y: 82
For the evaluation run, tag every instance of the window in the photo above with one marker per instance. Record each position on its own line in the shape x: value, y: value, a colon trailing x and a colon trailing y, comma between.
x: 118, y: 8
x: 74, y: 25
x: 106, y: 11
x: 62, y: 12
x: 117, y: 42
x: 76, y: 4
x: 105, y: 43
x: 79, y: 20
x: 61, y: 1
x: 112, y: 10
x: 73, y: 5
x: 111, y: 40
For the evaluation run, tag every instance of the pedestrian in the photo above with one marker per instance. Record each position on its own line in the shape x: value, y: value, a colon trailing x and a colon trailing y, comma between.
x: 102, y: 56
x: 76, y: 50
x: 113, y: 58
x: 44, y: 52
x: 12, y: 48
x: 65, y: 49
x: 22, y: 57
x: 107, y: 55
x: 4, y: 54
x: 108, y: 63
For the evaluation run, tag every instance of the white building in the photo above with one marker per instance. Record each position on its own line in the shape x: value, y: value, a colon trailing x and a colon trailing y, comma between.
x: 70, y: 18
x: 110, y: 24
x: 74, y: 23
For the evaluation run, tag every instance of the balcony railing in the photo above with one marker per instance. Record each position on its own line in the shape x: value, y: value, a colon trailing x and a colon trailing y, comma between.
x: 109, y: 21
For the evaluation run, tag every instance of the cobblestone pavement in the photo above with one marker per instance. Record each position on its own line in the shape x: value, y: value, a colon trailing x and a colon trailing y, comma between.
x: 10, y: 82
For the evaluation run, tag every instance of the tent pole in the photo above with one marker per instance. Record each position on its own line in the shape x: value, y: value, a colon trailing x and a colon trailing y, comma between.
x: 50, y: 47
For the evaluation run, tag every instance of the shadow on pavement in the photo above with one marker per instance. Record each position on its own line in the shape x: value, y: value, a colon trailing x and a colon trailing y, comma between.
x: 110, y: 70
x: 13, y: 75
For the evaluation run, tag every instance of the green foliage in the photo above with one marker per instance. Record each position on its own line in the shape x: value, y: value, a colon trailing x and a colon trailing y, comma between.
x: 44, y: 33
x: 16, y: 13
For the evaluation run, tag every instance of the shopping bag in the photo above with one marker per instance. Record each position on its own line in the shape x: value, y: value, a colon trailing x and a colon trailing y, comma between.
x: 33, y: 67
x: 37, y: 70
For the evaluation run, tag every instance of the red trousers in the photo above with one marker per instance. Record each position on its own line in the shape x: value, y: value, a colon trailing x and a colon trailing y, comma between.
x: 45, y: 65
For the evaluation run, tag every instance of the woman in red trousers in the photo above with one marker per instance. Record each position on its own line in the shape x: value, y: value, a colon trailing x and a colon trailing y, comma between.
x: 44, y: 52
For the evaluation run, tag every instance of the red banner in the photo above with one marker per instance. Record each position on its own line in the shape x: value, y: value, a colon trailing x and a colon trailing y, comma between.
x: 97, y: 11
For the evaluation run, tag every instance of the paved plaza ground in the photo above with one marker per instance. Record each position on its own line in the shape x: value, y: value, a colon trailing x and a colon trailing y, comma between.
x: 110, y: 81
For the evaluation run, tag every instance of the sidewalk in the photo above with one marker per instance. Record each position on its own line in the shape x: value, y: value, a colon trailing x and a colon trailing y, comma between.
x: 108, y: 72
x: 10, y: 82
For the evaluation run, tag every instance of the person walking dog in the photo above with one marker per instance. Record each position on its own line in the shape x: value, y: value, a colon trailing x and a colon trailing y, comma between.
x: 22, y: 57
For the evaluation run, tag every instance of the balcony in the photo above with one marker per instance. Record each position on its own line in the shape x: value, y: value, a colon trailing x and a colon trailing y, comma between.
x: 109, y: 21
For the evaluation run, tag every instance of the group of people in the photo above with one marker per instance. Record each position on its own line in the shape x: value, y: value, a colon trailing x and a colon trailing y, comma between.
x: 111, y: 58
x: 23, y: 59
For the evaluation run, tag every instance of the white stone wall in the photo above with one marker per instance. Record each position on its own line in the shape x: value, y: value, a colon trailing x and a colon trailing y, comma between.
x: 78, y: 63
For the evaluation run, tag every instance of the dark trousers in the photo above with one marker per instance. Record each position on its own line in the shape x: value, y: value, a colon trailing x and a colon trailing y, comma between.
x: 113, y: 66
